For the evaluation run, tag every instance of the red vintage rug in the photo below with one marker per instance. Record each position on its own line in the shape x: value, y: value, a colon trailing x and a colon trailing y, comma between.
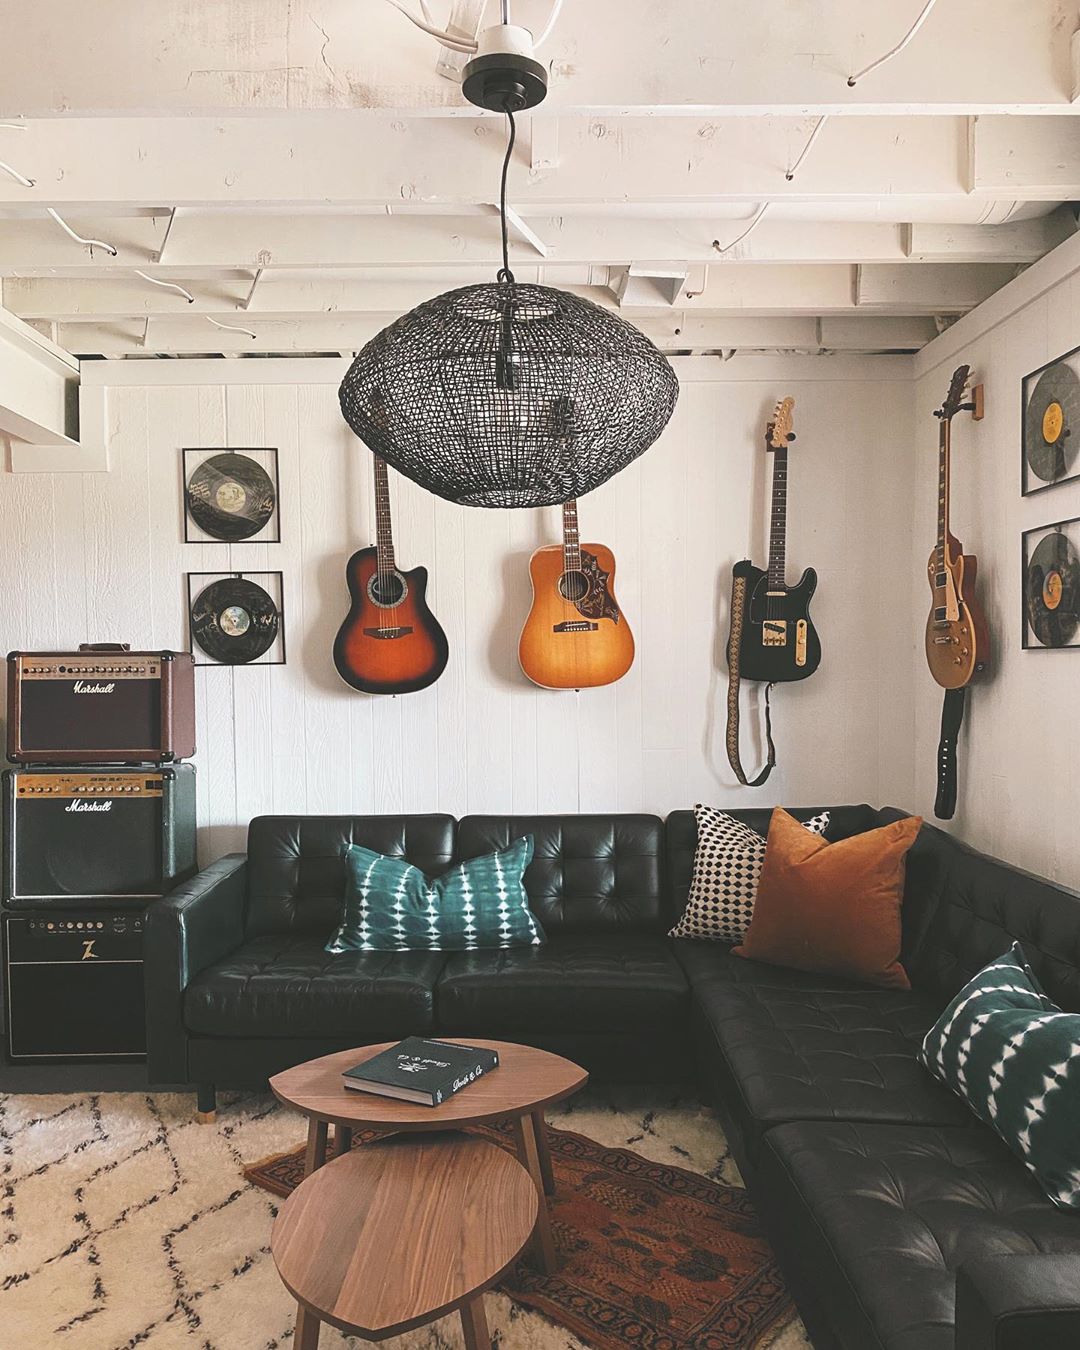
x: 650, y: 1256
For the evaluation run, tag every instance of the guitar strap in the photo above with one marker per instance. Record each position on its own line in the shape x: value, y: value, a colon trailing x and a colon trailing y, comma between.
x: 952, y: 718
x: 738, y: 609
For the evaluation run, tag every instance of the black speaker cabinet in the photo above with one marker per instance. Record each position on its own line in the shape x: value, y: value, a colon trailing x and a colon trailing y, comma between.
x: 111, y: 837
x: 100, y: 706
x: 73, y: 985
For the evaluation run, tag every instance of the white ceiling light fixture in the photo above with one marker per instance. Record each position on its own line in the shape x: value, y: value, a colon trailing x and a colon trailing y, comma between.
x: 504, y: 73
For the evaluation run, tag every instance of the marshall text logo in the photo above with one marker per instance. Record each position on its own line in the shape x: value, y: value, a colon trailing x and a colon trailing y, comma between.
x: 83, y: 687
x: 78, y: 804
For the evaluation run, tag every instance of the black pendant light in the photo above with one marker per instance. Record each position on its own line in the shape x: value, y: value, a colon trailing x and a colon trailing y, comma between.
x: 506, y: 394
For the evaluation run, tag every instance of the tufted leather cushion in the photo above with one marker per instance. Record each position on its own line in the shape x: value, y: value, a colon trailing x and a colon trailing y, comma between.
x: 805, y: 1050
x: 969, y: 908
x: 589, y: 874
x: 296, y: 864
x: 286, y: 985
x: 680, y: 833
x: 577, y: 983
x: 880, y: 1217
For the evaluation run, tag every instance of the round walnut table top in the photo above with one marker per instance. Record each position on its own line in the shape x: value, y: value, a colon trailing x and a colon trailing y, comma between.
x: 526, y: 1080
x: 402, y: 1231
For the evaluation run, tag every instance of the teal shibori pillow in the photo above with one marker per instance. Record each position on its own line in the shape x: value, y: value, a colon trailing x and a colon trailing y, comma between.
x: 1014, y: 1057
x: 391, y: 906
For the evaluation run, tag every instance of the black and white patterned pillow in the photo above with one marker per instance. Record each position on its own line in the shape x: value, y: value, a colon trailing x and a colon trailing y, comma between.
x: 727, y: 865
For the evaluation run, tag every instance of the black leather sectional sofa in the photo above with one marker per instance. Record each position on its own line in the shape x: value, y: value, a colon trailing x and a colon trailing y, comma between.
x: 901, y: 1223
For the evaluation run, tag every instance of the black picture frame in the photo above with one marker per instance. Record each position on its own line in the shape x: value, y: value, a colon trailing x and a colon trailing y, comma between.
x: 1030, y: 483
x: 1029, y: 641
x: 266, y: 456
x: 271, y: 582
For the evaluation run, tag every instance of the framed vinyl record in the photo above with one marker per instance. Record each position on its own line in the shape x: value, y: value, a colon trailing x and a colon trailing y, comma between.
x: 236, y: 618
x: 1050, y: 424
x: 1051, y: 586
x: 231, y: 496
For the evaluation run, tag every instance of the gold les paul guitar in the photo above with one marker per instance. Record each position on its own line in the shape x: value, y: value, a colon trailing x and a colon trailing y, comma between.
x: 957, y: 637
x: 576, y: 636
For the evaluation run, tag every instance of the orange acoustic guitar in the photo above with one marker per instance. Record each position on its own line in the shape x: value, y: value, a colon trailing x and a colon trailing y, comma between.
x: 390, y: 642
x: 957, y: 638
x: 576, y: 636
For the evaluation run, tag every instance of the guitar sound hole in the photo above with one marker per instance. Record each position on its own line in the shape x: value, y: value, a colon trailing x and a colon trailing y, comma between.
x: 387, y: 588
x: 574, y: 586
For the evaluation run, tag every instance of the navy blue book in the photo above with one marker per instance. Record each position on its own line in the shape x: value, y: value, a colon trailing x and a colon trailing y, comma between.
x: 426, y: 1072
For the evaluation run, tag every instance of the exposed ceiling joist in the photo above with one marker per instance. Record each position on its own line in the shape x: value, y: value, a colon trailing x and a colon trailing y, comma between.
x: 672, y: 333
x: 977, y: 56
x: 321, y: 160
x: 212, y: 244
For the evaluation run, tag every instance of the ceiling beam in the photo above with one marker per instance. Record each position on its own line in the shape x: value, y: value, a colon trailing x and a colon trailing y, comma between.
x: 233, y: 247
x: 779, y: 288
x: 124, y: 56
x: 806, y: 333
x: 348, y: 159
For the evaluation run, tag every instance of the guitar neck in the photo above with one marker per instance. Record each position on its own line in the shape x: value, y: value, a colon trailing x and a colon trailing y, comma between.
x: 944, y: 449
x: 778, y: 520
x: 384, y: 538
x: 571, y: 538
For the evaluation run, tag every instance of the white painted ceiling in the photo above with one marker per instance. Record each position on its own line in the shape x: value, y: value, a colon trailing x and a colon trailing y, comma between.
x: 308, y: 169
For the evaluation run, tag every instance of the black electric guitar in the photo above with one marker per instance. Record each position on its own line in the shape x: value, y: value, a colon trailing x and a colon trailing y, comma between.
x: 777, y: 641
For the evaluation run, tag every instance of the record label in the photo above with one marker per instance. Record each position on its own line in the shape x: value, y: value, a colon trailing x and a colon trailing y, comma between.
x: 1050, y: 420
x: 234, y: 620
x: 230, y: 496
x: 1053, y: 591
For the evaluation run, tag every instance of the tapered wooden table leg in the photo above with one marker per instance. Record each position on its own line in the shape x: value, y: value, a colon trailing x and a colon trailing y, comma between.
x: 474, y: 1325
x: 342, y: 1140
x: 315, y: 1155
x: 543, y: 1152
x: 543, y: 1244
x: 306, y: 1335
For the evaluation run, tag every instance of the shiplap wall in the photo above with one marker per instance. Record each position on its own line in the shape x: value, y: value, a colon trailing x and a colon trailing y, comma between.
x: 100, y: 557
x: 1019, y: 751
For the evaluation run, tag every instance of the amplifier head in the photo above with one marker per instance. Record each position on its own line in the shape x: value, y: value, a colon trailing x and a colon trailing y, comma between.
x: 100, y: 707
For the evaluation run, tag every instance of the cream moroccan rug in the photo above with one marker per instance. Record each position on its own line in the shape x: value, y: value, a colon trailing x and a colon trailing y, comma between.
x: 124, y: 1224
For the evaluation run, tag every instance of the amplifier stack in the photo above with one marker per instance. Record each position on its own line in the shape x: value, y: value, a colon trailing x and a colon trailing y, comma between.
x: 98, y: 820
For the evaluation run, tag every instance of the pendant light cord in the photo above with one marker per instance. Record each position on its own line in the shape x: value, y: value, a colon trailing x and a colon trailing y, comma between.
x: 505, y: 274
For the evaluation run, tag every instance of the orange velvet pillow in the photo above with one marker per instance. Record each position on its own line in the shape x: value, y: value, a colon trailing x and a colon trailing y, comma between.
x: 833, y: 909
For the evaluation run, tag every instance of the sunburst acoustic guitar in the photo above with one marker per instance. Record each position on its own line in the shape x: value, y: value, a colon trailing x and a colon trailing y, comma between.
x: 576, y: 636
x: 390, y: 642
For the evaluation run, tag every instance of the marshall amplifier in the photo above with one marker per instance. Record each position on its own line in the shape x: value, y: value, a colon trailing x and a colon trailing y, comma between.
x: 108, y: 836
x: 73, y: 985
x: 100, y: 706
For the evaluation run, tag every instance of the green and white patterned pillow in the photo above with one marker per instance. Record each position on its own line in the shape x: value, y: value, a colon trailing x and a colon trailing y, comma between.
x: 1014, y: 1057
x: 391, y: 906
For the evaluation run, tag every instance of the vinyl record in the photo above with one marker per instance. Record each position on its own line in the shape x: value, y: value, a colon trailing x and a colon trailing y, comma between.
x: 1051, y: 418
x: 230, y: 496
x: 234, y: 621
x: 1052, y: 591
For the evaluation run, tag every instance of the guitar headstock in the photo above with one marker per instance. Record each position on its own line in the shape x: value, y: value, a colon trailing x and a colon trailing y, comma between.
x: 954, y: 399
x: 778, y: 433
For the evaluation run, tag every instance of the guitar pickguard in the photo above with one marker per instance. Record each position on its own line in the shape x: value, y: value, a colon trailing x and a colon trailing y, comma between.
x: 596, y: 603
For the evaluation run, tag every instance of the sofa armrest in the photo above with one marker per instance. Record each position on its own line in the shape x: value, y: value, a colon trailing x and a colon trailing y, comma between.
x: 187, y: 930
x: 1019, y: 1302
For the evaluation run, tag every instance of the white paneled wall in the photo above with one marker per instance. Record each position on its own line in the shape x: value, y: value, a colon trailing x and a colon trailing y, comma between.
x: 100, y: 557
x: 1020, y: 748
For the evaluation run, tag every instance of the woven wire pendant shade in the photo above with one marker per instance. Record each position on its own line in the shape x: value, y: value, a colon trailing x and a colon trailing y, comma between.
x: 503, y: 394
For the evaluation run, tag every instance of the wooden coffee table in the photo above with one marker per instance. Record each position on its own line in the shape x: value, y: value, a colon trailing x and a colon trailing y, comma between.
x: 401, y: 1232
x: 526, y: 1082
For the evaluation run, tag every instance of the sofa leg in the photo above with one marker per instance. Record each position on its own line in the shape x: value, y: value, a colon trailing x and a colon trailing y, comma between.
x: 206, y: 1104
